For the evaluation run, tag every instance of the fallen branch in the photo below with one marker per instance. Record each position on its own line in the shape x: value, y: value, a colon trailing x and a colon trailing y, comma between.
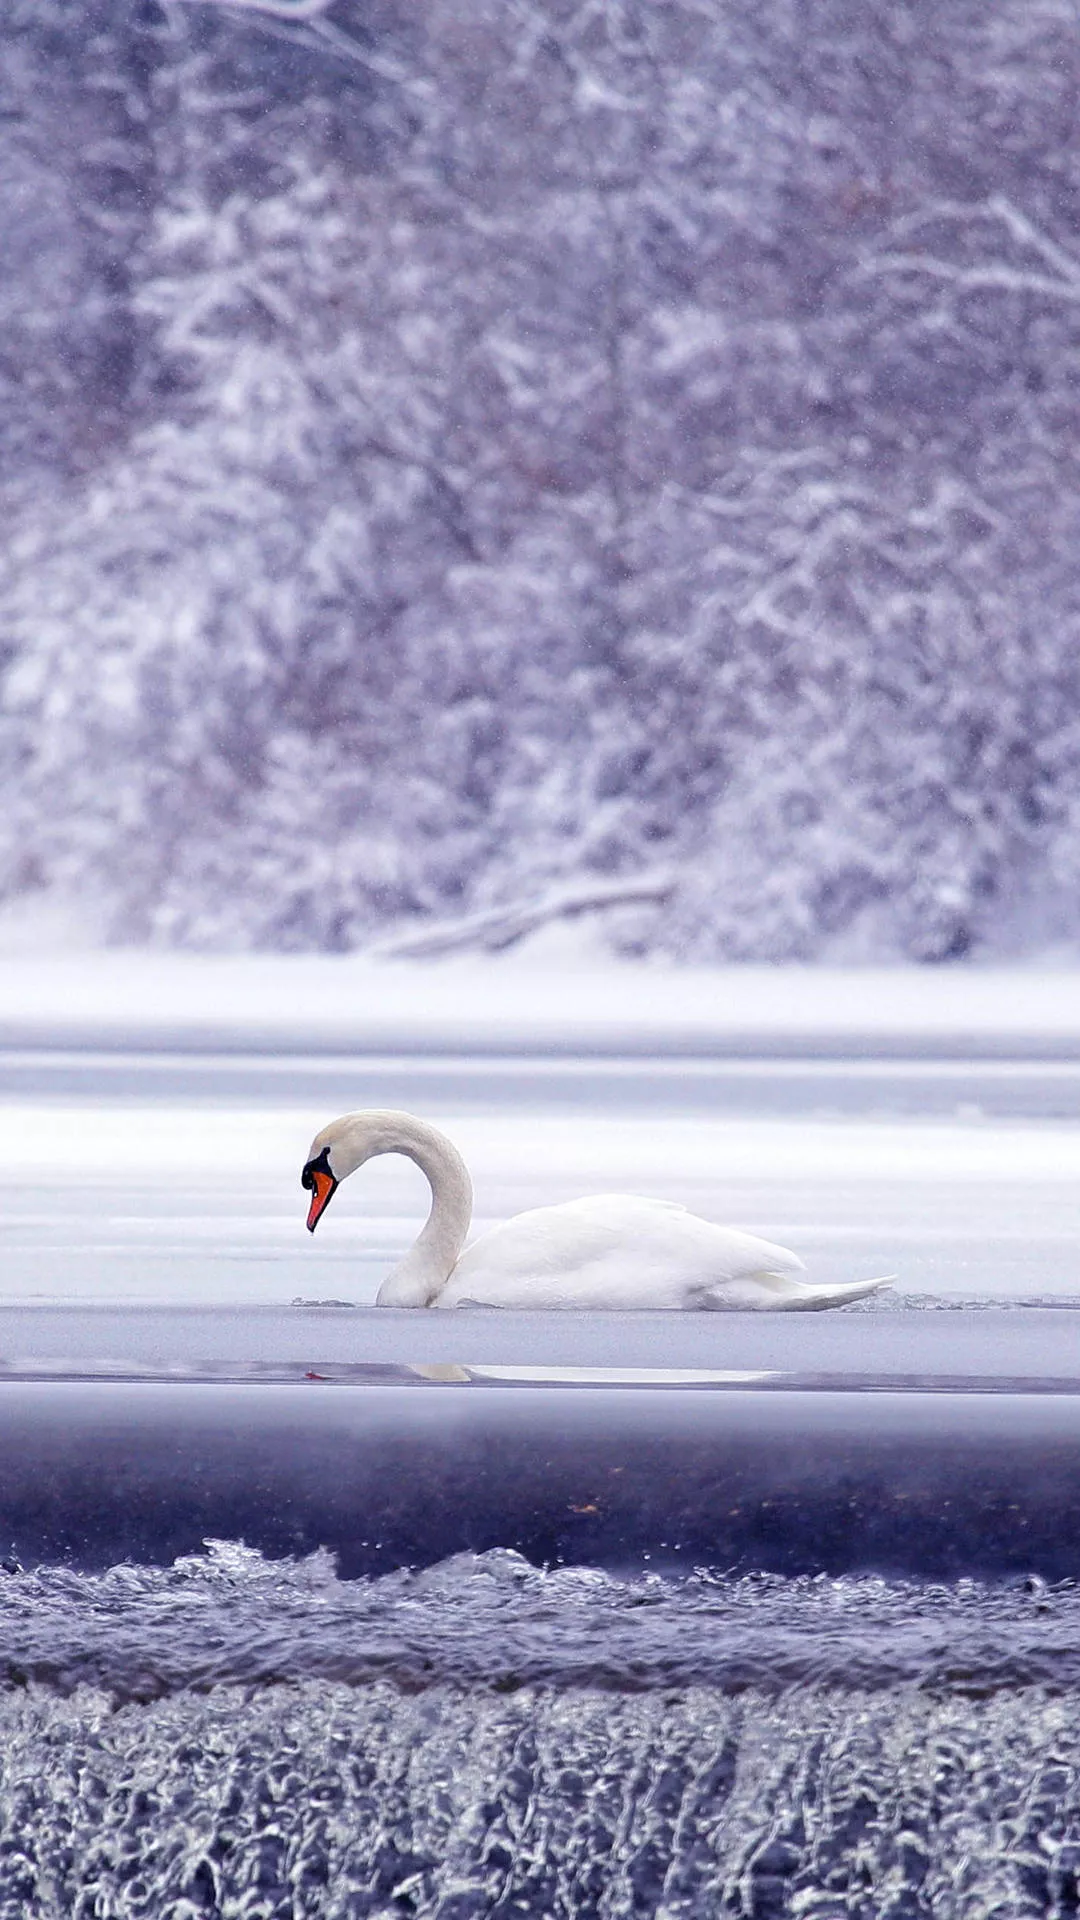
x: 277, y: 9
x: 313, y: 15
x: 500, y: 927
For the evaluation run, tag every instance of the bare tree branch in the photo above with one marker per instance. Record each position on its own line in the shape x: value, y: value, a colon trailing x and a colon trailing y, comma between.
x: 997, y: 207
x: 1058, y: 280
x: 277, y: 9
x: 313, y: 14
x: 500, y: 927
x: 989, y: 279
x: 1031, y: 236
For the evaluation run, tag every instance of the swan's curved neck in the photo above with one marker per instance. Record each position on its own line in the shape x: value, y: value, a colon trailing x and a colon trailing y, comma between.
x: 431, y: 1259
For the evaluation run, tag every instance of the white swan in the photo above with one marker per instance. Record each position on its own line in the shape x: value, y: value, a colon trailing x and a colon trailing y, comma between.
x: 611, y: 1250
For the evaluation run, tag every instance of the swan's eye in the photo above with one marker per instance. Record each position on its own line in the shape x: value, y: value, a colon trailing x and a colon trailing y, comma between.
x: 320, y: 1163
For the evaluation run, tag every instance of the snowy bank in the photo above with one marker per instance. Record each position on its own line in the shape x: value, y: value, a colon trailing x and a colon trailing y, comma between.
x: 130, y: 1000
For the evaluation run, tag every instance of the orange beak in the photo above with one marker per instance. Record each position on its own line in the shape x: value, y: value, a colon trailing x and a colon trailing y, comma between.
x: 322, y: 1187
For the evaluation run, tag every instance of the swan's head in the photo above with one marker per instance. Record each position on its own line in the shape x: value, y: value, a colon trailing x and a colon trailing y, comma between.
x: 344, y: 1145
x: 320, y: 1180
x: 338, y: 1150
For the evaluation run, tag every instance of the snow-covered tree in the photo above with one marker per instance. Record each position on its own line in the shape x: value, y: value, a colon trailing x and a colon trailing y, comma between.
x: 545, y: 450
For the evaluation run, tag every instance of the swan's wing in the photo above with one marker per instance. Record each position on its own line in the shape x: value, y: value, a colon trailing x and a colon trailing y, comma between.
x: 554, y: 1243
x: 609, y: 1250
x: 623, y: 1211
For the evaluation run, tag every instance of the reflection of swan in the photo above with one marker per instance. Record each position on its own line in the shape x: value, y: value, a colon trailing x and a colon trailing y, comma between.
x: 611, y: 1250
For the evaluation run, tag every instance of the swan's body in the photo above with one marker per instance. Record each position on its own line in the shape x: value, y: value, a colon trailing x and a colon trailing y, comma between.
x: 618, y: 1250
x: 610, y: 1250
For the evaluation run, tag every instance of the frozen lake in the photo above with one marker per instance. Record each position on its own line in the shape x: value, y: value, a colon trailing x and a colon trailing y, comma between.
x: 174, y: 1176
x: 484, y: 1731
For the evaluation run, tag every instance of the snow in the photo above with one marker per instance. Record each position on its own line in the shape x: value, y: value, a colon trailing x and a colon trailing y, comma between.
x: 300, y: 1004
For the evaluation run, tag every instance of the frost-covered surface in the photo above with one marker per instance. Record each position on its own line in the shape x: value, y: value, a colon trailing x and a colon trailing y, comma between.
x: 471, y: 466
x: 321, y: 1802
x: 351, y: 1005
x: 233, y: 1737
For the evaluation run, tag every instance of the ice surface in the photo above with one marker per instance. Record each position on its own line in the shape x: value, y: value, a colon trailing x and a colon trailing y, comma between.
x: 196, y: 1197
x: 154, y: 1154
x: 324, y: 1802
x: 229, y: 1736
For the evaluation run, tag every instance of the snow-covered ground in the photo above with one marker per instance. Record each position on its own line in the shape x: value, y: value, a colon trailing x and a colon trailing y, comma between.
x: 134, y: 1167
x: 299, y: 1004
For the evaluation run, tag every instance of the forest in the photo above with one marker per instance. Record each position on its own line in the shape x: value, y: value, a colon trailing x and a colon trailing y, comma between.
x: 501, y: 461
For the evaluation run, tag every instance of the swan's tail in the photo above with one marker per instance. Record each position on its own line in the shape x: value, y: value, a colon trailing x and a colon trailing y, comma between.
x: 806, y: 1297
